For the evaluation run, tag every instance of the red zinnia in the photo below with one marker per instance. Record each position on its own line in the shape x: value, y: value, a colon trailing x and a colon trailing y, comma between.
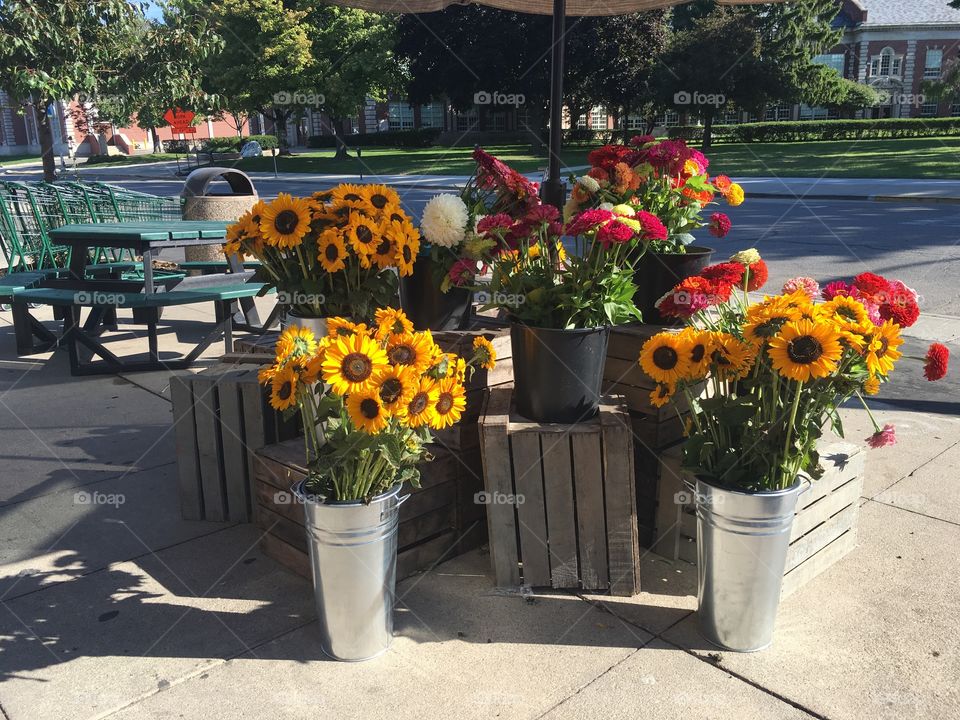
x: 614, y: 232
x: 687, y: 298
x: 641, y: 140
x: 500, y: 221
x: 722, y: 183
x: 607, y: 156
x: 870, y: 284
x: 904, y: 310
x: 758, y: 275
x: 587, y: 220
x: 726, y: 272
x: 935, y: 365
x: 651, y: 227
x: 719, y: 224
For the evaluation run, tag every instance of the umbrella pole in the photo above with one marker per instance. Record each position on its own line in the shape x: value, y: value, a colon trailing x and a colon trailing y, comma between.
x: 554, y: 191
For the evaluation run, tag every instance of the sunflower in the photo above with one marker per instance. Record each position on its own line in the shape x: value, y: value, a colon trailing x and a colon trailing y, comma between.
x: 396, y: 386
x: 407, y: 240
x: 283, y: 388
x: 730, y: 358
x: 662, y: 394
x: 363, y: 234
x: 266, y: 374
x: 351, y: 363
x: 384, y: 254
x: 391, y: 321
x: 366, y: 411
x: 845, y: 311
x: 765, y: 320
x: 412, y: 349
x: 663, y: 359
x: 381, y: 198
x: 484, y: 352
x: 294, y: 342
x: 312, y: 369
x: 341, y: 327
x: 420, y: 408
x: 695, y: 345
x: 804, y: 350
x: 331, y: 251
x: 451, y: 402
x: 285, y: 221
x: 871, y: 386
x: 349, y: 196
x: 882, y: 350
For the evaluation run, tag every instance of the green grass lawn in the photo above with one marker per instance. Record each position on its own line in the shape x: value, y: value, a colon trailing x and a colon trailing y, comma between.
x: 18, y: 159
x: 921, y: 158
x: 130, y: 159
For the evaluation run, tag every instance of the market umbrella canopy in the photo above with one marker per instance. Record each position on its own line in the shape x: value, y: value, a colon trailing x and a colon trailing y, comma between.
x: 535, y: 7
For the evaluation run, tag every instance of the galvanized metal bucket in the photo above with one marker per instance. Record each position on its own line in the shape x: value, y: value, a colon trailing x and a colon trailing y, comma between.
x: 353, y: 556
x: 317, y: 325
x: 742, y: 543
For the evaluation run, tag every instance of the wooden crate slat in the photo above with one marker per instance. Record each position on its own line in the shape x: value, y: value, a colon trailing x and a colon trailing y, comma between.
x: 254, y: 424
x: 290, y: 557
x: 627, y: 372
x: 430, y: 523
x: 211, y: 451
x: 620, y: 497
x: 822, y: 535
x: 528, y: 481
x: 561, y: 513
x: 291, y: 532
x: 591, y: 525
x: 501, y: 524
x: 232, y: 434
x: 819, y: 562
x: 813, y: 515
x: 185, y: 437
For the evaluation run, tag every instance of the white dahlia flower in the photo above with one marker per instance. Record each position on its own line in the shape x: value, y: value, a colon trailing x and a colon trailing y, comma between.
x: 444, y: 221
x: 588, y: 183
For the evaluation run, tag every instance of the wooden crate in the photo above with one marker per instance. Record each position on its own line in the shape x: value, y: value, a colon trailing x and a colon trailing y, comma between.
x: 622, y: 374
x: 440, y: 520
x: 824, y: 530
x: 561, y: 499
x: 221, y: 418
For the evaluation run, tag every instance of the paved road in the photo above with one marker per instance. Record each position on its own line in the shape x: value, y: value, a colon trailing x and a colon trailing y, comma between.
x: 826, y: 239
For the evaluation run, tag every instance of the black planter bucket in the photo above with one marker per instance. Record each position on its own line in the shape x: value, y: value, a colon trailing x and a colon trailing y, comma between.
x: 427, y: 307
x: 656, y: 274
x: 557, y: 374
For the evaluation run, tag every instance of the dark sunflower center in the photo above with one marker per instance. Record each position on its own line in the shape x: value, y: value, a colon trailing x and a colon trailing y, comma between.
x: 352, y: 197
x: 364, y: 234
x: 804, y: 349
x: 401, y: 355
x: 665, y: 358
x: 770, y: 327
x: 332, y: 252
x: 286, y: 390
x: 884, y: 346
x: 397, y: 217
x: 418, y: 404
x: 255, y: 219
x: 720, y: 358
x: 391, y: 390
x: 697, y: 353
x: 407, y: 255
x: 444, y: 403
x: 369, y: 408
x: 357, y: 367
x: 384, y: 247
x: 286, y: 222
x: 378, y: 201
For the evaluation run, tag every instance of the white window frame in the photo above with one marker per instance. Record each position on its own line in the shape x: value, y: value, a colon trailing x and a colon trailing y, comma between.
x: 932, y: 72
x: 598, y: 118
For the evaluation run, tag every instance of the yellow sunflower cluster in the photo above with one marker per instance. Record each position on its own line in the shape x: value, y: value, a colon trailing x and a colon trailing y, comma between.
x: 362, y: 224
x: 787, y: 334
x: 388, y: 376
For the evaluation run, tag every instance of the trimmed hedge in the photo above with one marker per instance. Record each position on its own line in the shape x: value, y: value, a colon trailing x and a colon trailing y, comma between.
x: 424, y: 137
x: 806, y: 130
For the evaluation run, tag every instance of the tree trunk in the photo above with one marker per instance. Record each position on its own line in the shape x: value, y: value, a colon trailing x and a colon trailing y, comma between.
x: 707, y: 131
x: 45, y: 134
x: 157, y: 142
x: 343, y: 152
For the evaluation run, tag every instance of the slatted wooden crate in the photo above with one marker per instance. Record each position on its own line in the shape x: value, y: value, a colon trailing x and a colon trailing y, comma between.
x: 221, y: 418
x: 440, y: 520
x: 824, y: 530
x: 561, y: 499
x: 622, y: 374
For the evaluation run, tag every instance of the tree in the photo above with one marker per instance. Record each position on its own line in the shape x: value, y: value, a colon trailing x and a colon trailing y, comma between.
x: 853, y: 96
x: 54, y: 49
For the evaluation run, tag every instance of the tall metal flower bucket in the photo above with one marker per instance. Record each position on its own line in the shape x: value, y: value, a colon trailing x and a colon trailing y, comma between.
x: 353, y: 556
x: 742, y: 543
x: 317, y: 325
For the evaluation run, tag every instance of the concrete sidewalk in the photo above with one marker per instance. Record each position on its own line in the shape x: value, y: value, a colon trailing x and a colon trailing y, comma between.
x: 125, y: 611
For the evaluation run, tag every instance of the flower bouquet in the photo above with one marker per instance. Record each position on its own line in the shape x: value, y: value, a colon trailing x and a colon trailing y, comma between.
x: 562, y: 300
x: 333, y: 253
x: 376, y: 393
x: 776, y: 371
x: 670, y: 180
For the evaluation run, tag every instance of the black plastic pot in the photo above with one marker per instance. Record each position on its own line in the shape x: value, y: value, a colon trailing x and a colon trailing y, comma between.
x: 557, y: 374
x: 426, y: 306
x: 656, y: 274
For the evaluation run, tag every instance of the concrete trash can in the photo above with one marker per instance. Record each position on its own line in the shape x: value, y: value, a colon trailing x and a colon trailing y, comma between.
x: 200, y: 204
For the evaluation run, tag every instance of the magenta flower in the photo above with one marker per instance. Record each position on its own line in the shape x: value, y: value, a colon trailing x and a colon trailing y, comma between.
x: 832, y: 290
x: 882, y: 438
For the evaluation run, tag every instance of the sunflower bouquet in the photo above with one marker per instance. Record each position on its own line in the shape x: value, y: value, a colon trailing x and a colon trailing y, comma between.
x: 331, y: 254
x: 776, y: 370
x: 663, y: 177
x: 376, y: 392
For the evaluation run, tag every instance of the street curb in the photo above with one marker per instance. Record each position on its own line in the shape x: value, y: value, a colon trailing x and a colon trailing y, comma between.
x: 932, y: 199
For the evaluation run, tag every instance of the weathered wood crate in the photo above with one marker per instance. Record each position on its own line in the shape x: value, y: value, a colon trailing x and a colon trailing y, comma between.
x: 824, y: 530
x: 221, y: 418
x: 440, y: 520
x: 561, y: 503
x: 622, y: 374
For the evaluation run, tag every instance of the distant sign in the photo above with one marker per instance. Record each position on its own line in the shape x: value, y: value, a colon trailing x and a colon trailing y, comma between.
x: 180, y: 120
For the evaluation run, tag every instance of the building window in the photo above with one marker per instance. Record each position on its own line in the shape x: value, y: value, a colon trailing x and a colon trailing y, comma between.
x: 635, y: 122
x: 401, y: 116
x: 886, y: 64
x: 669, y: 119
x: 497, y: 122
x: 729, y: 117
x: 431, y: 116
x: 523, y: 118
x: 929, y: 109
x: 777, y: 112
x: 833, y: 60
x: 932, y: 65
x: 466, y: 121
x: 955, y: 110
x: 598, y: 119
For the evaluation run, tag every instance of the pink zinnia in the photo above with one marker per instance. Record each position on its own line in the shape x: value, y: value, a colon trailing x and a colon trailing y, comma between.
x: 651, y: 227
x: 835, y: 289
x: 614, y: 232
x: 500, y: 221
x: 882, y: 438
x: 807, y: 284
x: 462, y: 271
x: 587, y: 220
x: 719, y: 224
